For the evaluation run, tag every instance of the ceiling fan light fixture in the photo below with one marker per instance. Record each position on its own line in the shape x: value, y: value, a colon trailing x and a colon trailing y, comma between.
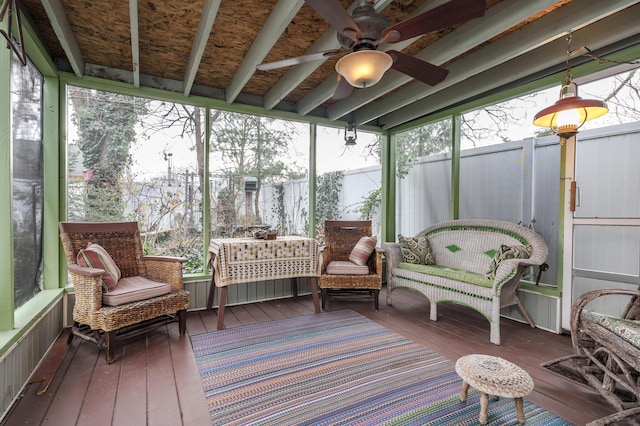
x: 364, y: 68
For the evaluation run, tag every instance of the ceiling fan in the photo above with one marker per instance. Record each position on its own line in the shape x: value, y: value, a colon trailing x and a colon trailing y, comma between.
x: 366, y: 29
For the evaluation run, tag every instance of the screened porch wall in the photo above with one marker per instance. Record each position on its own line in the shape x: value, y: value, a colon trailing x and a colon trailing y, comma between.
x: 517, y: 181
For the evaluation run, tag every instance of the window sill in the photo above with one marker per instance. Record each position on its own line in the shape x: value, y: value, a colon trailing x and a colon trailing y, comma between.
x: 27, y: 315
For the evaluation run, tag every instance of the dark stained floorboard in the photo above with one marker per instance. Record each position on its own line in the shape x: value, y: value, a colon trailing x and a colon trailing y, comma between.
x: 154, y: 380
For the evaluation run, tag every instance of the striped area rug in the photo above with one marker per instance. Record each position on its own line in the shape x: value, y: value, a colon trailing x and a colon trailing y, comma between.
x: 337, y: 368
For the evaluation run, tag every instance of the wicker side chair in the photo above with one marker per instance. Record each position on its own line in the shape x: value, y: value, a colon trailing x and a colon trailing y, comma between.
x: 607, y: 353
x: 105, y: 325
x: 340, y: 238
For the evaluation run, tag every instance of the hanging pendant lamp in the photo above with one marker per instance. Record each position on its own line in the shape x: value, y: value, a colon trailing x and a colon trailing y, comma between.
x: 570, y: 112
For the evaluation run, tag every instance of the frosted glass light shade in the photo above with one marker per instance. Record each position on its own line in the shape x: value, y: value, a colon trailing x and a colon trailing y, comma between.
x: 364, y: 68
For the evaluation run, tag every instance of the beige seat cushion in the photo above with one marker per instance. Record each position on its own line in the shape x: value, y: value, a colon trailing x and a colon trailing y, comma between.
x: 346, y: 267
x: 133, y: 289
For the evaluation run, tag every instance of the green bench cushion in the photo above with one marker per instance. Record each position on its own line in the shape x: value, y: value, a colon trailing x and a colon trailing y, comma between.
x: 629, y: 330
x: 451, y: 273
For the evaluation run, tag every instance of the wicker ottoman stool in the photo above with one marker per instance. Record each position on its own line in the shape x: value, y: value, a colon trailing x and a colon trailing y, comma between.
x: 496, y: 377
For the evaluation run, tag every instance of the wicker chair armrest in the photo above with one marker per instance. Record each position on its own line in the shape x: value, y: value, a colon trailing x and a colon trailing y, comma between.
x: 581, y: 302
x: 507, y: 270
x: 393, y: 254
x: 87, y: 289
x: 161, y: 269
x: 375, y: 262
x: 85, y: 270
x: 165, y: 258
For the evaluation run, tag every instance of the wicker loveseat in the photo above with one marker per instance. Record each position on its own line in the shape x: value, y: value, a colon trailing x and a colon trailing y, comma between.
x: 149, y: 289
x: 464, y: 252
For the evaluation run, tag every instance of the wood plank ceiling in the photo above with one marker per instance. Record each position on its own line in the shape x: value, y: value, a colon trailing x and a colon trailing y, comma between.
x: 212, y: 47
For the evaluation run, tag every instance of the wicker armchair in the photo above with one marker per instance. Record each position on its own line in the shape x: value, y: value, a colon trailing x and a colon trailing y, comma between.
x: 607, y: 353
x: 340, y: 238
x: 137, y: 313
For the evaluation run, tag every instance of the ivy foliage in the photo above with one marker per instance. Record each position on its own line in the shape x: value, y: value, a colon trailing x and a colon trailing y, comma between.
x: 329, y: 186
x: 279, y: 209
x: 370, y: 205
x: 105, y: 123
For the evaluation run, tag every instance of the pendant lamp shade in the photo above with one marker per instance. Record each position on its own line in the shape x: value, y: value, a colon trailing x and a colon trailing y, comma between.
x: 364, y: 68
x: 570, y: 112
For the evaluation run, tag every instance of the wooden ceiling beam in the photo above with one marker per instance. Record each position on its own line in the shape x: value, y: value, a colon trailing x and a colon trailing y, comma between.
x: 548, y: 55
x: 573, y: 16
x: 135, y: 41
x: 275, y: 25
x: 62, y: 29
x: 208, y: 17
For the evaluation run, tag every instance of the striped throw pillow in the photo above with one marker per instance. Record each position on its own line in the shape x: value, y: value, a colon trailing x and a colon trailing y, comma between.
x: 363, y: 249
x: 95, y: 256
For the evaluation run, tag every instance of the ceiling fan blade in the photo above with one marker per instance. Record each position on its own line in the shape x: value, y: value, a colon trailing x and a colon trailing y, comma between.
x: 298, y: 60
x: 343, y: 90
x: 451, y: 13
x: 333, y: 12
x: 417, y: 68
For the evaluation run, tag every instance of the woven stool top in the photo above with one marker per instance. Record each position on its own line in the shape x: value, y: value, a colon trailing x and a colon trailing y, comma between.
x: 494, y: 376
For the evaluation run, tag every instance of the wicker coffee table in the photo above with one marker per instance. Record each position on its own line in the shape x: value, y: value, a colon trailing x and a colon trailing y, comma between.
x: 496, y: 377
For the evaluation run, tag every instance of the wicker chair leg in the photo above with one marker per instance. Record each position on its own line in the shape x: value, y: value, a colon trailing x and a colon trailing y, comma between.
x: 110, y: 341
x: 70, y: 338
x: 376, y: 294
x: 182, y: 321
x: 323, y: 293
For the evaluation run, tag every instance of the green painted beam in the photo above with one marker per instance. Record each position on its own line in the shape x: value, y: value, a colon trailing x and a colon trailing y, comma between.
x: 313, y: 171
x: 51, y: 183
x: 455, y: 167
x: 6, y: 213
x: 206, y: 200
x: 166, y: 95
x: 388, y: 208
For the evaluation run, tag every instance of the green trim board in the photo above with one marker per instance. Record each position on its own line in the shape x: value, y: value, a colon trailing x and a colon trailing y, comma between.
x: 206, y: 201
x: 6, y: 209
x: 313, y: 173
x: 388, y: 195
x: 167, y: 95
x: 51, y: 183
x: 456, y: 150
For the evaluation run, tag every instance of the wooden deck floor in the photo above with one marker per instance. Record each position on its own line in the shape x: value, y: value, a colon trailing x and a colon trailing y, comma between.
x: 155, y: 380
